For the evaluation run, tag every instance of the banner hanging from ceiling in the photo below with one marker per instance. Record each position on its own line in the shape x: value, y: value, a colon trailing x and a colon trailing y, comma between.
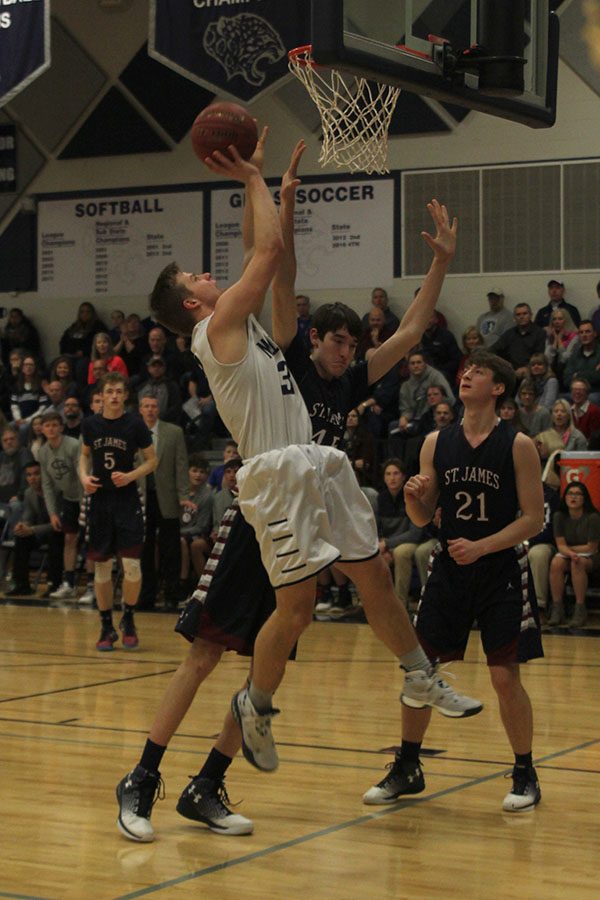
x: 24, y: 44
x: 235, y: 48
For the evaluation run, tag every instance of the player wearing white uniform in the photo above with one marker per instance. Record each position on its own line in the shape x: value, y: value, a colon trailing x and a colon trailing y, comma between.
x: 241, y: 367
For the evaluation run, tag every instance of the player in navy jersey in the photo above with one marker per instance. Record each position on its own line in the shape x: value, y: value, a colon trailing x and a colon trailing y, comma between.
x: 109, y: 474
x: 486, y: 478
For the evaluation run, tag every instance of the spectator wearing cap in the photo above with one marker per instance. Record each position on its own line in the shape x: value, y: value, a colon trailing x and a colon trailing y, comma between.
x: 556, y: 292
x: 496, y: 320
x: 164, y: 388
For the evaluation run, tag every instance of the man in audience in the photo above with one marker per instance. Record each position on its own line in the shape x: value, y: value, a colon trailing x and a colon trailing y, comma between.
x: 164, y: 388
x: 556, y: 293
x: 518, y: 344
x: 132, y: 346
x: 13, y: 460
x: 413, y: 393
x: 32, y: 532
x: 496, y: 321
x: 230, y: 451
x: 59, y: 461
x: 99, y: 370
x: 304, y: 318
x: 374, y: 334
x: 73, y: 416
x: 584, y: 361
x: 158, y: 344
x: 55, y: 391
x: 166, y: 492
x: 379, y: 299
x: 440, y: 348
x: 586, y: 415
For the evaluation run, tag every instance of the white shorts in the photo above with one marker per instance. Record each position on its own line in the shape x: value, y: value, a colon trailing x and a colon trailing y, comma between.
x: 307, y: 510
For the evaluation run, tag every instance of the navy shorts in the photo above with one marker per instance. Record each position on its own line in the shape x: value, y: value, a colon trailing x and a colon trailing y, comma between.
x: 69, y: 516
x: 496, y: 592
x: 116, y: 524
x: 235, y: 595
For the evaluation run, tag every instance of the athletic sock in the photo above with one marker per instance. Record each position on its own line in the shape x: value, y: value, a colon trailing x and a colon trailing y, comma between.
x: 409, y: 751
x: 151, y: 756
x: 415, y: 660
x: 69, y: 577
x: 215, y: 766
x: 524, y: 760
x: 106, y: 618
x: 261, y: 700
x: 128, y: 612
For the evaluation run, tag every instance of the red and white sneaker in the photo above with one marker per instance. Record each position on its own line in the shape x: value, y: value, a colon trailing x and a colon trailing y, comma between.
x: 130, y: 639
x: 108, y: 637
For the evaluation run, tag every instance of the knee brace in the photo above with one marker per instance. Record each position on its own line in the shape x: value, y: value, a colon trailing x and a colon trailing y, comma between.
x: 103, y: 571
x: 131, y: 569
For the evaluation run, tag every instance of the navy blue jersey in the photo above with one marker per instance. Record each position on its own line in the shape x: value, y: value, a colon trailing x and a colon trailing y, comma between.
x: 478, y: 491
x: 328, y: 401
x: 114, y: 444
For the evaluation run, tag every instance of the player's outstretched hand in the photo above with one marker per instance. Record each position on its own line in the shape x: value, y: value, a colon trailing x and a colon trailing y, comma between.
x: 416, y: 486
x: 290, y: 180
x: 231, y: 166
x: 444, y: 242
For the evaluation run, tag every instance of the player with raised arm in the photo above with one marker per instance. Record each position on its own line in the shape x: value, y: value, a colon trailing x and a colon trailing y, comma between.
x: 486, y: 478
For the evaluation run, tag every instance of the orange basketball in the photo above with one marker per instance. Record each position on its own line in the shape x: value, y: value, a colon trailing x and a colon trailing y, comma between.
x: 220, y: 125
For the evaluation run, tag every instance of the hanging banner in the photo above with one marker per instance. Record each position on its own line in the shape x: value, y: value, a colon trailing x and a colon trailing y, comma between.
x: 24, y: 44
x: 234, y: 48
x: 8, y: 159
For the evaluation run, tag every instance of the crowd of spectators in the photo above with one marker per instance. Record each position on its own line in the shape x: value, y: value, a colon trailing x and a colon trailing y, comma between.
x: 555, y: 352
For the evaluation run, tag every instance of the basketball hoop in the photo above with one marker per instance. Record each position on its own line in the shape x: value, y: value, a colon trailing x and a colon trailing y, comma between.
x: 355, y: 113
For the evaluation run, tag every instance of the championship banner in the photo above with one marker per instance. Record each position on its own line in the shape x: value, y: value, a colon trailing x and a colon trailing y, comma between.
x: 24, y: 44
x: 8, y: 159
x: 234, y: 48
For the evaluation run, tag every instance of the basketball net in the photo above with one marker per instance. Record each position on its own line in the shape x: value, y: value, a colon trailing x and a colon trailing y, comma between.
x: 355, y: 113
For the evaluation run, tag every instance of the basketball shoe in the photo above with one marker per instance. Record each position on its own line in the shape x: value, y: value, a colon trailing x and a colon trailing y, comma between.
x: 130, y: 638
x: 64, y: 592
x: 402, y: 778
x: 108, y: 637
x: 205, y: 800
x: 429, y: 689
x: 136, y: 795
x: 258, y: 745
x: 525, y: 793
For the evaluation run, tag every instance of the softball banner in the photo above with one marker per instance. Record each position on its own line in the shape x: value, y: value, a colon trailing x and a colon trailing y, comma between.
x: 235, y: 48
x: 24, y: 44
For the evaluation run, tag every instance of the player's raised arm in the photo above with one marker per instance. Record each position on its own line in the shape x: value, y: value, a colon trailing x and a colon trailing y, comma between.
x: 257, y: 159
x: 285, y: 321
x: 246, y: 296
x: 418, y: 314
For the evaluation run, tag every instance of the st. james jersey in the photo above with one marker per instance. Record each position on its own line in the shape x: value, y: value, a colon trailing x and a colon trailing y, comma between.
x: 257, y: 398
x: 114, y: 444
x: 478, y: 491
x: 328, y: 401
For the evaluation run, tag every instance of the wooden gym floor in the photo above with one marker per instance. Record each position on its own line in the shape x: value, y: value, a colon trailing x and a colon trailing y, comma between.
x: 73, y: 721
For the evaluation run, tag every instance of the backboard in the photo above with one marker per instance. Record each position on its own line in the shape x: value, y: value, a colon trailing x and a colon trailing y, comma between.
x: 497, y: 57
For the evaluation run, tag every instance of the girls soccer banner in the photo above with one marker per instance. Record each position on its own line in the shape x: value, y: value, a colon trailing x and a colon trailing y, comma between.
x: 234, y: 48
x: 24, y: 44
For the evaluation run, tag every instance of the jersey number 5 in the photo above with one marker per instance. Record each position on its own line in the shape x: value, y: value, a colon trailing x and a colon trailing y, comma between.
x: 109, y: 459
x: 461, y: 512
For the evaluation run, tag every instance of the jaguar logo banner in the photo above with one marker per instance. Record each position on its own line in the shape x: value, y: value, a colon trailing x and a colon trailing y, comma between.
x: 24, y: 44
x: 235, y: 48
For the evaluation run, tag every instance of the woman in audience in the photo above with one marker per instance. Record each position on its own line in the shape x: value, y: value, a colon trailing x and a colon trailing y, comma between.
x: 544, y: 380
x: 76, y: 341
x: 360, y: 449
x: 509, y: 411
x: 35, y: 436
x: 102, y: 349
x: 562, y: 435
x: 15, y: 363
x: 535, y: 418
x: 471, y: 340
x: 561, y: 338
x: 576, y: 534
x: 28, y: 398
x: 61, y: 369
x: 20, y: 332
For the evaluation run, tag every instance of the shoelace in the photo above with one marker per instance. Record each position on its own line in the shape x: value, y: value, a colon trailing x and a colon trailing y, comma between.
x: 147, y: 799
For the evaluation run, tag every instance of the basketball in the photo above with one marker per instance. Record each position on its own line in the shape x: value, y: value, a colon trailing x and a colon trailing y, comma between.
x: 220, y: 125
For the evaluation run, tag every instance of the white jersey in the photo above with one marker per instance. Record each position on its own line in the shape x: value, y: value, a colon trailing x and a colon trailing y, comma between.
x: 257, y: 398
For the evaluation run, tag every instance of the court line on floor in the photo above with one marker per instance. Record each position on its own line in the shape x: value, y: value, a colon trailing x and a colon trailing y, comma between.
x: 82, y: 687
x: 21, y: 896
x: 341, y: 826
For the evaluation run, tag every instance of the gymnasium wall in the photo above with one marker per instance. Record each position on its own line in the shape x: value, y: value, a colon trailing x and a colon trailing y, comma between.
x: 100, y: 69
